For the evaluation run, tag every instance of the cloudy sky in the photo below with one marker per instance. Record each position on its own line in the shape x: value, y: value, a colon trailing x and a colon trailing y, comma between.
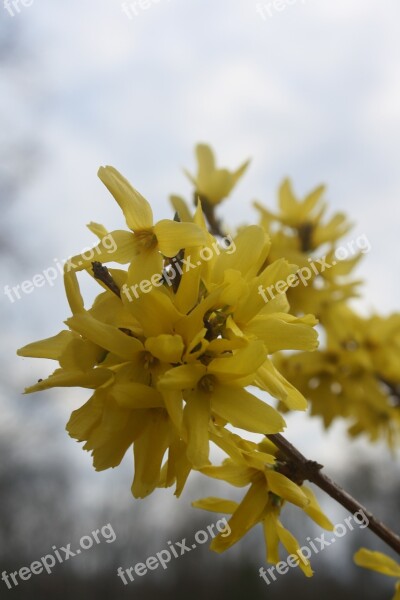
x: 311, y: 91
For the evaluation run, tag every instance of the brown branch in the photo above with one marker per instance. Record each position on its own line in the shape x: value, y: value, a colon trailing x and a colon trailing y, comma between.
x: 103, y: 274
x: 309, y: 470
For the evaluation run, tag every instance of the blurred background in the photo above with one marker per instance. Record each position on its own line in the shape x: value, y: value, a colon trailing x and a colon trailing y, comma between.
x: 310, y: 90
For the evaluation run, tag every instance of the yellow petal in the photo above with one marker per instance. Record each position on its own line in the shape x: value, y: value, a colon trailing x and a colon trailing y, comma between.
x: 173, y: 236
x: 246, y: 255
x: 181, y: 208
x: 232, y: 473
x: 240, y: 171
x: 285, y: 488
x: 314, y: 510
x: 177, y: 467
x: 61, y: 378
x: 97, y: 229
x: 122, y: 251
x: 196, y: 417
x: 312, y: 199
x: 244, y: 362
x: 174, y: 404
x: 81, y: 355
x: 136, y: 395
x: 243, y: 410
x: 205, y: 160
x: 292, y: 546
x: 145, y: 307
x: 284, y: 332
x: 141, y: 271
x: 187, y: 294
x: 271, y: 535
x: 244, y: 518
x: 111, y: 438
x: 136, y: 209
x: 106, y: 336
x: 149, y: 450
x: 51, y: 347
x: 287, y: 200
x: 184, y: 377
x: 213, y: 504
x: 110, y: 451
x: 254, y: 303
x: 73, y: 292
x: 268, y: 378
x: 377, y: 561
x: 228, y: 442
x: 85, y: 418
x: 168, y: 348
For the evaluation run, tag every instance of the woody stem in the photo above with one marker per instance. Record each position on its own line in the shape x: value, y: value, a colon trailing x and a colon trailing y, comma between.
x: 311, y: 471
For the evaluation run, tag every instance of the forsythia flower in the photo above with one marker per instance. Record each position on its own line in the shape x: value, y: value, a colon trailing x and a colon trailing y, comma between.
x: 212, y: 184
x: 146, y: 243
x: 257, y: 466
x: 299, y: 233
x: 377, y: 561
x: 305, y: 217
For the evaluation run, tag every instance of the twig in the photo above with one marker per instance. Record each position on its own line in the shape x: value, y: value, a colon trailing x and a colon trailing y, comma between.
x: 310, y: 470
x: 103, y: 274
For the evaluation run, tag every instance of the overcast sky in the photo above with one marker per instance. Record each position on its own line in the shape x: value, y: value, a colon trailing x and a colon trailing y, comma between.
x: 311, y: 91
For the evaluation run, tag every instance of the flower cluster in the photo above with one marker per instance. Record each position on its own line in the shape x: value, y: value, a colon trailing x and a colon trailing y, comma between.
x: 355, y: 374
x: 170, y: 369
x: 174, y: 363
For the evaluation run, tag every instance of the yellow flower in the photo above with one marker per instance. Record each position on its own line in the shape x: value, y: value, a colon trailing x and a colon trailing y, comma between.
x: 377, y: 561
x: 215, y: 390
x: 305, y: 216
x: 269, y: 490
x: 212, y: 184
x: 146, y: 243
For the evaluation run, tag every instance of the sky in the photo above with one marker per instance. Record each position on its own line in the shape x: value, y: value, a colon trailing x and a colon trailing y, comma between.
x: 310, y: 91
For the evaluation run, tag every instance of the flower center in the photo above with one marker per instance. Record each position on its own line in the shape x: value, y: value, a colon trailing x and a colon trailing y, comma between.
x: 145, y: 239
x: 207, y: 383
x: 149, y: 360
